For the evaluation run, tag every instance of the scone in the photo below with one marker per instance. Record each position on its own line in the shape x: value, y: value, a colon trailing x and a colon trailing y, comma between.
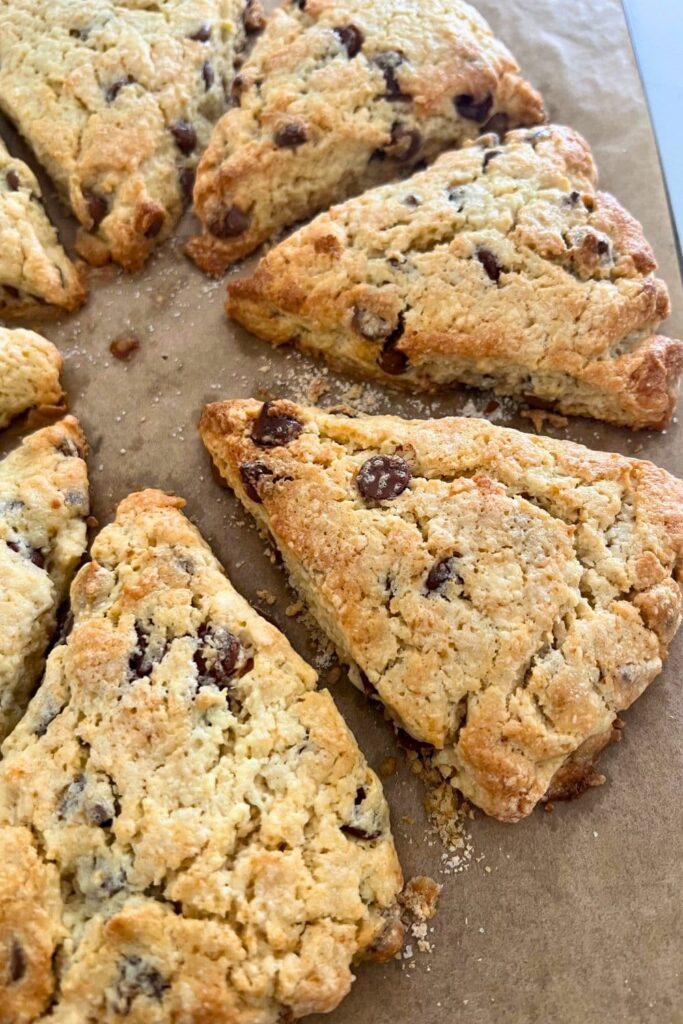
x: 223, y: 849
x: 29, y: 373
x: 117, y: 101
x: 338, y: 95
x: 501, y: 266
x: 43, y: 506
x: 504, y: 595
x: 36, y: 275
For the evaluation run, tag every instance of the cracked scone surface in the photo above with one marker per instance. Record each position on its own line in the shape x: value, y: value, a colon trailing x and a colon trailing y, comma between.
x: 338, y: 95
x: 223, y: 848
x: 35, y: 272
x: 501, y: 266
x: 117, y: 101
x: 504, y: 595
x: 29, y: 373
x: 43, y: 506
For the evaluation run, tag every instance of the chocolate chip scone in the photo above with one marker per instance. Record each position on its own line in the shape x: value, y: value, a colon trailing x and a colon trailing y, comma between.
x: 29, y: 373
x: 118, y: 99
x: 43, y: 506
x: 504, y: 595
x: 223, y: 849
x: 338, y: 95
x: 35, y: 272
x: 501, y: 266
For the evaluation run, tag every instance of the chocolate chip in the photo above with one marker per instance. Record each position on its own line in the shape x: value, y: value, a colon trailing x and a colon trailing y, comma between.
x: 136, y: 977
x: 383, y: 477
x: 17, y: 962
x: 34, y: 555
x: 202, y: 35
x: 154, y: 223
x: 573, y: 198
x: 290, y: 135
x: 471, y: 108
x: 208, y: 74
x: 185, y: 136
x: 98, y: 207
x: 12, y: 179
x: 356, y: 832
x: 112, y: 91
x: 138, y: 662
x: 411, y: 200
x: 391, y: 359
x: 186, y: 178
x: 217, y: 658
x: 229, y: 223
x: 251, y: 473
x: 124, y: 346
x: 360, y: 796
x: 101, y: 816
x: 388, y: 62
x: 489, y: 155
x: 370, y: 325
x: 253, y: 18
x: 602, y: 246
x: 79, y: 33
x: 456, y: 195
x: 489, y: 263
x: 440, y: 573
x: 405, y: 142
x: 351, y: 37
x: 272, y: 429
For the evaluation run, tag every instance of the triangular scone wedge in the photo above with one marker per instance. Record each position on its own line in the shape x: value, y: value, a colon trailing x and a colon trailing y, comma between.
x: 44, y: 503
x: 504, y: 595
x: 501, y: 266
x: 35, y: 272
x: 224, y: 850
x: 117, y: 100
x: 29, y: 373
x: 339, y: 95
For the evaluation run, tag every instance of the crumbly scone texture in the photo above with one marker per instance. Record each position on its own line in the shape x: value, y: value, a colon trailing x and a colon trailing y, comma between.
x: 501, y: 266
x: 29, y: 373
x: 338, y: 95
x: 223, y: 849
x: 504, y: 595
x: 43, y: 507
x: 117, y: 100
x: 35, y: 272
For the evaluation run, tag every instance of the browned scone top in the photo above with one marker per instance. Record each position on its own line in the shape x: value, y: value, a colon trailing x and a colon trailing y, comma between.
x: 501, y: 266
x: 504, y: 595
x: 117, y: 100
x: 188, y: 830
x: 338, y: 95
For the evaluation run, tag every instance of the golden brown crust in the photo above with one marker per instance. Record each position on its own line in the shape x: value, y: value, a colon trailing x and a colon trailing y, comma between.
x: 29, y: 373
x: 505, y: 604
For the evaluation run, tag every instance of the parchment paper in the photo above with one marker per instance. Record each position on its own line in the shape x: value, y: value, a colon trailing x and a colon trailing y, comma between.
x: 579, y: 917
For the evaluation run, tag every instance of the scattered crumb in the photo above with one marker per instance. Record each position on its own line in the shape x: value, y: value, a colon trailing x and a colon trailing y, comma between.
x: 388, y: 767
x: 420, y: 897
x: 316, y: 389
x: 539, y: 417
x: 294, y: 609
x: 266, y: 596
x: 124, y: 346
x: 334, y: 675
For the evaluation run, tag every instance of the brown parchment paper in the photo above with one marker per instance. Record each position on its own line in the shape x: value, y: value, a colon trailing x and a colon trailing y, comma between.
x: 569, y: 916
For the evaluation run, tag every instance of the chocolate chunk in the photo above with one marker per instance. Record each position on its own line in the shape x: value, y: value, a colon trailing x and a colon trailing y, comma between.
x: 573, y: 198
x: 411, y: 200
x: 272, y: 429
x: 154, y: 223
x: 391, y: 359
x: 370, y: 325
x: 136, y: 977
x: 208, y: 74
x: 290, y: 135
x: 124, y: 346
x: 79, y: 33
x: 217, y: 658
x: 34, y: 555
x: 351, y: 37
x: 251, y: 473
x: 405, y: 142
x: 383, y: 477
x: 356, y: 832
x: 112, y: 91
x: 473, y: 109
x: 602, y: 247
x: 98, y: 207
x: 138, y: 662
x: 186, y: 177
x: 101, y: 816
x: 489, y: 263
x: 17, y: 962
x: 456, y: 195
x: 12, y: 179
x: 388, y: 62
x: 360, y: 796
x: 253, y: 19
x: 489, y: 155
x: 203, y: 34
x: 440, y: 573
x: 185, y: 136
x: 229, y: 223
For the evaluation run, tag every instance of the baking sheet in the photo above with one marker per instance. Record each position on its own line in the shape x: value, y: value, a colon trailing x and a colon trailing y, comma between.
x: 569, y: 916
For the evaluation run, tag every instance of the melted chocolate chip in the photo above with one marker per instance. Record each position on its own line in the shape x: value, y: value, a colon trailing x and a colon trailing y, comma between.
x: 154, y: 223
x: 185, y: 136
x: 356, y: 832
x: 440, y: 573
x: 34, y: 555
x: 12, y: 179
x: 370, y: 325
x: 272, y: 429
x: 388, y: 62
x: 17, y: 962
x: 98, y: 207
x: 251, y: 473
x: 360, y: 796
x: 79, y: 33
x: 186, y: 178
x: 405, y: 142
x: 202, y: 35
x: 411, y: 200
x: 112, y: 91
x: 456, y: 195
x: 391, y: 359
x: 602, y: 247
x: 573, y: 198
x: 124, y: 346
x: 229, y: 223
x: 101, y: 816
x: 290, y: 135
x: 208, y: 74
x: 351, y: 37
x: 489, y: 263
x: 383, y: 477
x: 138, y: 662
x: 471, y: 108
x: 136, y: 977
x: 489, y: 155
x: 217, y: 658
